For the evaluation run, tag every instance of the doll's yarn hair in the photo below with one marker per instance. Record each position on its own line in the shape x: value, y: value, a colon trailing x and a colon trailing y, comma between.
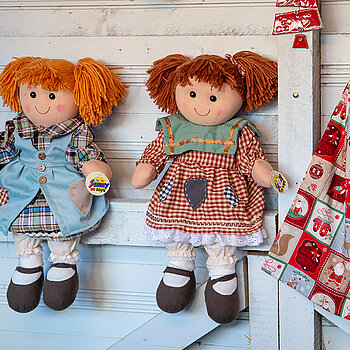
x: 254, y: 77
x: 95, y: 88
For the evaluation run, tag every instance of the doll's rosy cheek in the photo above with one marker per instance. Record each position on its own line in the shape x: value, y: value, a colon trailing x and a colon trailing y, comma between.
x: 185, y: 108
x: 60, y: 108
x: 221, y: 112
x: 27, y: 108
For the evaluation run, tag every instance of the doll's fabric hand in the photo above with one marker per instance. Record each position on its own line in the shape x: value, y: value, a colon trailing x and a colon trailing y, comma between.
x: 261, y: 173
x: 265, y: 176
x: 97, y: 175
x: 94, y: 165
x: 144, y: 174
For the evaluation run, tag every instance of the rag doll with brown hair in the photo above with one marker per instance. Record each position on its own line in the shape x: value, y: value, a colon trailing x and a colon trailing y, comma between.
x: 211, y: 195
x: 46, y: 152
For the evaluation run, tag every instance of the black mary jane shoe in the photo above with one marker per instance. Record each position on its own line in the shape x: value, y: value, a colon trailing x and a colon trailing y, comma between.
x: 221, y: 308
x: 24, y: 298
x: 175, y: 299
x: 59, y: 295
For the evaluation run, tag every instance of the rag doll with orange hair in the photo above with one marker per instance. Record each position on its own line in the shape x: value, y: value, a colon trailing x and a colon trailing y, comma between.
x: 46, y: 152
x: 211, y: 195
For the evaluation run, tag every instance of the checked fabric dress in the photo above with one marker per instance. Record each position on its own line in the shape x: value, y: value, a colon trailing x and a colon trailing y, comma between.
x: 311, y: 252
x: 205, y: 197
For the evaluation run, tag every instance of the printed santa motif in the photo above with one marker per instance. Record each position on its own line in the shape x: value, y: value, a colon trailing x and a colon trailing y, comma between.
x: 337, y: 275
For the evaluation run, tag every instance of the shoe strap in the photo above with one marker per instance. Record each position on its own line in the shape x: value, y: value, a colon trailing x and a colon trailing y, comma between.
x: 65, y: 266
x: 176, y: 271
x: 225, y: 278
x: 29, y: 270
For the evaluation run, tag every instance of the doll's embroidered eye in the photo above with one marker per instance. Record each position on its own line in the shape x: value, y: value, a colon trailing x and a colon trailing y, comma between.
x: 32, y: 94
x: 193, y: 94
x: 52, y: 96
x: 213, y: 98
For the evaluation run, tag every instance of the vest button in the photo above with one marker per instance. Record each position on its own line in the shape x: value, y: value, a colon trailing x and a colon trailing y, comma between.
x: 41, y: 167
x: 41, y: 156
x: 42, y: 179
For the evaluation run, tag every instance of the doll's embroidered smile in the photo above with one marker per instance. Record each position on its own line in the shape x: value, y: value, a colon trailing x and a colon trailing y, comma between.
x: 40, y: 112
x: 202, y: 115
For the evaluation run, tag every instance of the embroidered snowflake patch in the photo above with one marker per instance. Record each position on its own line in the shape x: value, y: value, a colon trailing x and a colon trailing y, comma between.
x: 231, y: 196
x: 165, y: 191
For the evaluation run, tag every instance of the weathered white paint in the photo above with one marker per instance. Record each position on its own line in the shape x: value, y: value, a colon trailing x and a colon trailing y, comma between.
x: 263, y: 306
x: 300, y: 117
x: 193, y: 318
x: 133, y: 33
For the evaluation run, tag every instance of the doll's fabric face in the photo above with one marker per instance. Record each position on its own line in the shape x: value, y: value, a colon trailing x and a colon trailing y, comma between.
x: 45, y: 108
x: 203, y: 104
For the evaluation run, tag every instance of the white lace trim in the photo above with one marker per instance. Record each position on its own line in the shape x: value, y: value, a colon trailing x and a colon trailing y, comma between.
x: 25, y: 253
x: 251, y: 240
x: 73, y: 257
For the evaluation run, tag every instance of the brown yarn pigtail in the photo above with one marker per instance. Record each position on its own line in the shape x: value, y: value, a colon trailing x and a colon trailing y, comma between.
x: 9, y: 83
x: 97, y: 89
x: 260, y: 77
x: 161, y: 82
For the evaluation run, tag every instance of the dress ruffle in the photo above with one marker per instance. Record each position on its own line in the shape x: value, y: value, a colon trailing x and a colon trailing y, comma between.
x: 166, y: 236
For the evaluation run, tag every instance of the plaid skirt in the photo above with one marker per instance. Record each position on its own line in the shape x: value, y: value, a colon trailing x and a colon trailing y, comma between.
x: 205, y: 194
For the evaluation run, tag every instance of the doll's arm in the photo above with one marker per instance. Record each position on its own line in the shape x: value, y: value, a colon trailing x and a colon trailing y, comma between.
x: 94, y: 165
x: 144, y: 174
x: 252, y: 163
x: 151, y: 164
x: 7, y: 144
x: 261, y: 172
x: 85, y: 155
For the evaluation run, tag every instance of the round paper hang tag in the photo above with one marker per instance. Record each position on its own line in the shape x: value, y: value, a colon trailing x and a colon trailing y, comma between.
x: 278, y: 181
x: 97, y: 183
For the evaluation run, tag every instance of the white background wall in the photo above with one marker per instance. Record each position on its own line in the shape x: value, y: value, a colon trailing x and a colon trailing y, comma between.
x: 118, y: 282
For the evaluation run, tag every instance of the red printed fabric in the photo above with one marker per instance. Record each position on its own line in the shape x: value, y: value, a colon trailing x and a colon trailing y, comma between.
x: 297, y: 21
x: 232, y: 204
x: 311, y: 252
x: 297, y: 3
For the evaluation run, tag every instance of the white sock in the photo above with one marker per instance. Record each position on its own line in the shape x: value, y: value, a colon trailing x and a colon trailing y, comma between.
x: 59, y: 274
x: 227, y: 287
x: 28, y: 262
x: 178, y: 281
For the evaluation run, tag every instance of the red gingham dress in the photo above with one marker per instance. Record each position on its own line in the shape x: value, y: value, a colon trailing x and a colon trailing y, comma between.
x: 215, y: 220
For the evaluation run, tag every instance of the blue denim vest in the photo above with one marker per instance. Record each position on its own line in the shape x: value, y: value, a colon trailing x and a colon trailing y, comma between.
x: 51, y: 172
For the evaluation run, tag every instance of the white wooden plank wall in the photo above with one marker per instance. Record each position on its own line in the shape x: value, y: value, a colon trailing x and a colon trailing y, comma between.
x: 133, y: 34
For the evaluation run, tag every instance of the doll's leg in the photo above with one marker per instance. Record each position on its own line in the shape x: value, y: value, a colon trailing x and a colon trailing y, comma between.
x: 178, y: 285
x: 62, y: 283
x: 221, y: 295
x: 24, y: 290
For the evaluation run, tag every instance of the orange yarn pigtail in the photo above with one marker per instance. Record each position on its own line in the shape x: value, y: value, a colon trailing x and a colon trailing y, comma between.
x: 161, y: 82
x: 260, y: 76
x: 9, y: 84
x: 97, y: 89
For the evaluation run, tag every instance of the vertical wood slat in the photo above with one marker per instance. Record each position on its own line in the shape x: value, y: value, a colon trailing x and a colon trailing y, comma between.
x: 298, y: 132
x: 263, y: 306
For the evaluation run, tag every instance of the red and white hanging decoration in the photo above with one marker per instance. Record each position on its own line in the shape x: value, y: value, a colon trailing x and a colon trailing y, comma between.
x: 305, y: 18
x: 297, y: 3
